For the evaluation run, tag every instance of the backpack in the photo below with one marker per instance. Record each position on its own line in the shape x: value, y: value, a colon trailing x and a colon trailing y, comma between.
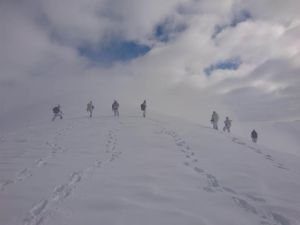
x: 90, y: 107
x: 55, y: 110
x: 115, y: 106
x: 143, y: 107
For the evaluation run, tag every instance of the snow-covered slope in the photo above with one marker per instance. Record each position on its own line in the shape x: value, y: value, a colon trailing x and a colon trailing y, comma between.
x: 132, y: 170
x: 282, y: 136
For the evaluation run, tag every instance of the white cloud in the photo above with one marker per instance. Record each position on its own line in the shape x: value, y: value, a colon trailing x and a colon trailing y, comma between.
x: 40, y: 39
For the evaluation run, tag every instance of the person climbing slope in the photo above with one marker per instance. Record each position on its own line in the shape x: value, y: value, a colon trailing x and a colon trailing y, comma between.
x: 115, y: 108
x: 57, y: 112
x: 227, y: 125
x: 254, y: 136
x: 214, y: 120
x: 90, y: 108
x: 143, y: 108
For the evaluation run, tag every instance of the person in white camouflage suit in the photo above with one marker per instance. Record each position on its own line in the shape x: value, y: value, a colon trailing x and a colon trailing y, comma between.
x: 214, y: 120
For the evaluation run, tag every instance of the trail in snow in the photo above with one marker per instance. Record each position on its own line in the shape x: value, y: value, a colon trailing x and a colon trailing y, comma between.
x: 41, y: 210
x: 268, y: 157
x: 147, y: 172
x: 28, y: 172
x: 249, y: 203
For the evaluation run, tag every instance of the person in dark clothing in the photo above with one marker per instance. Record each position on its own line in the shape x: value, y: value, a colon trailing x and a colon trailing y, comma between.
x: 90, y: 108
x: 57, y: 112
x: 115, y: 108
x: 143, y: 108
x: 254, y: 136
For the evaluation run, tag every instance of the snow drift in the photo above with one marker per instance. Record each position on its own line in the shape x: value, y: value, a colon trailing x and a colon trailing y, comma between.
x: 132, y: 170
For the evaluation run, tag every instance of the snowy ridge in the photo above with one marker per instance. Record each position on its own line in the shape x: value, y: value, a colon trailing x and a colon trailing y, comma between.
x: 167, y: 172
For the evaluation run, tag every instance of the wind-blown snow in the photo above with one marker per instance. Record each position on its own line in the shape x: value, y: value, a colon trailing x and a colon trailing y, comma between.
x: 132, y: 170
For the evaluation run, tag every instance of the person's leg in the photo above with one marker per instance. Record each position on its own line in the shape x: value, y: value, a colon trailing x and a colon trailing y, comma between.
x: 54, y: 116
x: 215, y: 126
x: 227, y: 129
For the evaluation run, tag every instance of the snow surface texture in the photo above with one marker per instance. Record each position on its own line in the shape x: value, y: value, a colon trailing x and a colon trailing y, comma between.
x: 132, y: 170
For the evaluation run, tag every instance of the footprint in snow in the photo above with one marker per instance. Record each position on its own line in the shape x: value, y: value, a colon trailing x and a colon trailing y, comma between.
x: 186, y: 163
x: 229, y: 190
x: 212, y: 181
x: 24, y: 174
x: 198, y: 170
x: 269, y: 157
x: 98, y: 164
x: 280, y: 219
x: 255, y: 198
x: 5, y: 183
x: 40, y: 162
x: 35, y: 216
x: 244, y: 205
x: 180, y: 144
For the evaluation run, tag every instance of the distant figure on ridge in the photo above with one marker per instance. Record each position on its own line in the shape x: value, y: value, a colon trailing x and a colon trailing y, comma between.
x: 143, y: 108
x: 57, y: 112
x: 89, y: 108
x: 115, y: 108
x: 227, y: 124
x: 254, y: 136
x: 214, y: 120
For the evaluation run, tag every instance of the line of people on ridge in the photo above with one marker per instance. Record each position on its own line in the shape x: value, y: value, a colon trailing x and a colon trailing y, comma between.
x: 227, y: 125
x: 90, y: 108
x: 115, y: 108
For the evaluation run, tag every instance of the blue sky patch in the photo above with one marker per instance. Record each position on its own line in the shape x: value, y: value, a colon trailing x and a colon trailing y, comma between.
x: 115, y: 51
x: 167, y: 30
x: 238, y: 18
x: 229, y: 64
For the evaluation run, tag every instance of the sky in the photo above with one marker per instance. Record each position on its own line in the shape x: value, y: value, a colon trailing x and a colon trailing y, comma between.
x: 186, y: 57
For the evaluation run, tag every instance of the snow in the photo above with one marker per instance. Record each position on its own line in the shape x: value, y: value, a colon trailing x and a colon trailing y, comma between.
x: 131, y: 170
x: 282, y: 136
